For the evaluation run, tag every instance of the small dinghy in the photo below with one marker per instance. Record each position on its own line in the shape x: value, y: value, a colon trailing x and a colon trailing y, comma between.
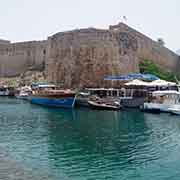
x: 104, y: 104
x: 22, y: 95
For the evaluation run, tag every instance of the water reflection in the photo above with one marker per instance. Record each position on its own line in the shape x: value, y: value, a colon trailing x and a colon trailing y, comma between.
x: 86, y: 144
x: 97, y: 140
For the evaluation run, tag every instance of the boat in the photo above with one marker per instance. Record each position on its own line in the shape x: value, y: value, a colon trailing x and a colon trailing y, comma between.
x: 162, y: 101
x: 48, y: 95
x: 82, y: 99
x: 7, y: 91
x: 104, y: 104
x: 129, y: 98
x: 175, y: 110
x: 22, y: 95
x: 24, y: 92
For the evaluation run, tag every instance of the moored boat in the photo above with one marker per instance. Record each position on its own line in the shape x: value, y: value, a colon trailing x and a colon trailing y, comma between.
x: 7, y: 91
x: 24, y: 93
x: 49, y: 96
x: 129, y: 98
x: 102, y: 104
x: 175, y: 110
x: 82, y: 99
x: 162, y: 101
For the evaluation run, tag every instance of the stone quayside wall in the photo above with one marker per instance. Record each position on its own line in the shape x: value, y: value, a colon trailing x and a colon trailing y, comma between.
x: 82, y: 58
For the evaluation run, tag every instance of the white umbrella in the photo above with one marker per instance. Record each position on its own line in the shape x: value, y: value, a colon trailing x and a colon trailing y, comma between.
x: 137, y: 82
x: 160, y: 82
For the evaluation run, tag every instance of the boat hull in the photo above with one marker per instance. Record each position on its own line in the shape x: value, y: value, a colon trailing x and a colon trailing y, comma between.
x: 151, y: 110
x: 82, y: 102
x: 131, y: 102
x: 155, y: 107
x: 97, y: 106
x: 64, y: 102
x: 175, y: 110
x: 22, y: 97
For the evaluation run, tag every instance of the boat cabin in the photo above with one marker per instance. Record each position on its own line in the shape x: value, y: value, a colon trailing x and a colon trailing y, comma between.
x: 165, y: 97
x: 120, y: 93
x: 43, y: 86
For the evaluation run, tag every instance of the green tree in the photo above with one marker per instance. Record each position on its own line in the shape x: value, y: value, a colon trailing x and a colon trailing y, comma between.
x: 148, y: 66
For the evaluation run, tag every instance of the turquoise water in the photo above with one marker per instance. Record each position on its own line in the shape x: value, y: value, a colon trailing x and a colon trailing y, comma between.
x: 87, y: 144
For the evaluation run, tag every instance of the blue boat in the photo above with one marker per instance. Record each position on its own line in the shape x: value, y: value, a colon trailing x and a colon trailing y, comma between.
x: 51, y: 97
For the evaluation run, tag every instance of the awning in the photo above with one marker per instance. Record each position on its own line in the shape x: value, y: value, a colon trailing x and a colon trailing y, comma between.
x: 132, y: 76
x: 160, y: 82
x: 137, y: 82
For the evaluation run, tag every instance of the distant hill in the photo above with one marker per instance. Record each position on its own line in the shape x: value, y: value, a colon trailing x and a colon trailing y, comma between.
x: 178, y: 52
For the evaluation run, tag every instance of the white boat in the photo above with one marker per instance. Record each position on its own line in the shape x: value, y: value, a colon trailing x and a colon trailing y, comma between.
x: 4, y: 91
x: 103, y: 105
x: 175, y: 109
x: 162, y: 101
x: 24, y: 93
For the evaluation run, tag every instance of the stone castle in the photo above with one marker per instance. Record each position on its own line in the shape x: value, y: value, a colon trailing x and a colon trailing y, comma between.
x: 83, y: 57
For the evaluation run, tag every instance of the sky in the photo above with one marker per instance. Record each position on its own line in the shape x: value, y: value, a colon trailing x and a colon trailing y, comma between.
x: 26, y: 20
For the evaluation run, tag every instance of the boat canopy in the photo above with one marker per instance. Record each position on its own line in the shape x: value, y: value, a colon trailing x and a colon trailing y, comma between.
x: 43, y: 85
x: 160, y: 82
x: 84, y: 93
x: 137, y: 82
x: 132, y: 76
x: 168, y: 92
x: 46, y: 86
x: 100, y: 89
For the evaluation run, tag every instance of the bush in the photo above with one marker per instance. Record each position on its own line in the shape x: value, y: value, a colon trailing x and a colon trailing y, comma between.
x: 147, y: 66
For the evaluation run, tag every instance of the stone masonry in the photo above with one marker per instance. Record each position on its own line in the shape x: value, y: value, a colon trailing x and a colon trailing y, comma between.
x: 83, y: 57
x: 17, y: 58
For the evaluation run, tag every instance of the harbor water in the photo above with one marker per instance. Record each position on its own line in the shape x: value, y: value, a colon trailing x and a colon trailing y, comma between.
x: 84, y: 144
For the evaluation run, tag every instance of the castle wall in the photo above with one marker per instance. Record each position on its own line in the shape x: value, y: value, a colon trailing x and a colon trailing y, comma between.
x: 4, y: 42
x: 84, y: 57
x: 149, y: 49
x: 17, y: 58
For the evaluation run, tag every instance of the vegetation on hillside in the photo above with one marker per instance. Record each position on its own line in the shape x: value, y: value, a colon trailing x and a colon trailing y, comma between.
x: 147, y: 66
x: 26, y: 78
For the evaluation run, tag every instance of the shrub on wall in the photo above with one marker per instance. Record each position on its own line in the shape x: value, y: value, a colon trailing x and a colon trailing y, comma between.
x: 147, y: 66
